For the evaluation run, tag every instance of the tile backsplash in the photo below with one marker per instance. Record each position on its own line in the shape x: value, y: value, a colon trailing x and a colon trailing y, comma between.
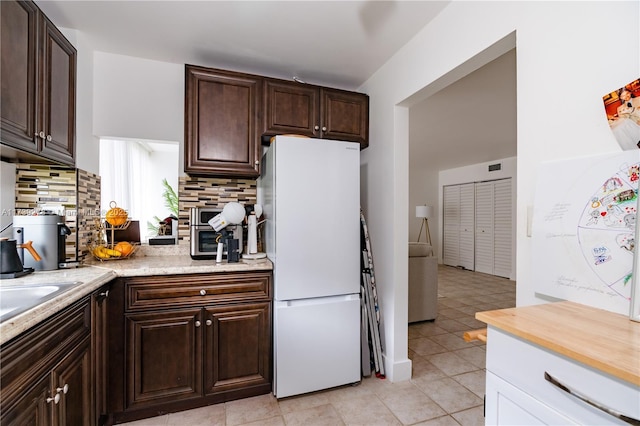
x: 210, y: 192
x: 45, y: 186
x: 52, y: 187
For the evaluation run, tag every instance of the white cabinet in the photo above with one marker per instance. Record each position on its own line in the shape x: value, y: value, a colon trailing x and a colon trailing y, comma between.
x: 518, y: 393
x: 509, y: 405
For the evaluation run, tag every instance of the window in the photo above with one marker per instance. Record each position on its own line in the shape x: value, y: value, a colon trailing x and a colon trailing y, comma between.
x: 132, y: 172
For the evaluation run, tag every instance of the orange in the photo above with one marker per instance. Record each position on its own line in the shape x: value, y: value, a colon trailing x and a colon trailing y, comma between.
x: 116, y: 216
x: 124, y: 248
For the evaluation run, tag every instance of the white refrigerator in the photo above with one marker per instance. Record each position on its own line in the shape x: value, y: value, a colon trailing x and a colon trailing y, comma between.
x: 310, y: 192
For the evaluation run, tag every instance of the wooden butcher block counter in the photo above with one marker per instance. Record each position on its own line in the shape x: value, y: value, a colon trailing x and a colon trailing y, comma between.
x: 561, y: 363
x: 600, y: 339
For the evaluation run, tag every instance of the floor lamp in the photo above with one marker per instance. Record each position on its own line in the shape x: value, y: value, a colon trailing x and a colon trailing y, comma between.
x: 424, y: 212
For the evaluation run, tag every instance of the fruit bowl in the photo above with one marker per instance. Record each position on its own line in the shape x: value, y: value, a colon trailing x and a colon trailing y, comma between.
x: 118, y: 251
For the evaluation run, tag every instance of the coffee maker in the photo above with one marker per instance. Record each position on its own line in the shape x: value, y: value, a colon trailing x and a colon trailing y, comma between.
x: 48, y: 233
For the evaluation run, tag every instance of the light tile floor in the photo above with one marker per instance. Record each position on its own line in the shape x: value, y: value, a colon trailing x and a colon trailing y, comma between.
x: 447, y: 386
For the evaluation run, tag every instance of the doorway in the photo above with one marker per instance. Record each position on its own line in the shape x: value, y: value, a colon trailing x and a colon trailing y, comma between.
x: 468, y: 123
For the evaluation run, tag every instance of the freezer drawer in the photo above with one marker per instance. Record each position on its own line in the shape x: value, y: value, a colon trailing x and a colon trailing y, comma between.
x: 317, y: 344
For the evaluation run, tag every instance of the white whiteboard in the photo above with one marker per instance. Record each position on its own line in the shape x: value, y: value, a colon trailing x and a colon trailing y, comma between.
x: 583, y: 231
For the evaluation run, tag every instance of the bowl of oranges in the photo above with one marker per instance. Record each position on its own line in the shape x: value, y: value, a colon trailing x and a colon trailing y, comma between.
x: 115, y: 219
x: 118, y: 251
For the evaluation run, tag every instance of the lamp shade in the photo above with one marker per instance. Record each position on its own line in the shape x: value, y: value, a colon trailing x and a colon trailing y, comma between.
x: 424, y: 211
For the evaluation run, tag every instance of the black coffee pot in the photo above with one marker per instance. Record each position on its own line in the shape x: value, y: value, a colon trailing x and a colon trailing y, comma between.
x: 10, y: 259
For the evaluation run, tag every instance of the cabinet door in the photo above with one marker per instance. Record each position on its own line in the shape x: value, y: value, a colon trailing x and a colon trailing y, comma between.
x: 508, y: 405
x: 58, y: 94
x: 291, y: 108
x: 345, y: 116
x: 221, y: 120
x: 163, y: 357
x: 100, y: 350
x: 72, y: 380
x: 237, y: 347
x: 32, y: 409
x: 18, y: 74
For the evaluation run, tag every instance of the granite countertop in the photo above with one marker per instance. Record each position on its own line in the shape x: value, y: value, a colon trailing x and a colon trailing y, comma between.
x: 93, y: 274
x: 601, y: 339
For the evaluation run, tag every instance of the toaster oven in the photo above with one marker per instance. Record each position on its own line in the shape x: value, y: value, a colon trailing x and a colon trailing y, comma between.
x: 203, y: 238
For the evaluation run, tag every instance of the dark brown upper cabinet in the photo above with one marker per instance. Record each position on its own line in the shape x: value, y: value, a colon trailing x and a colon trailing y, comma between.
x: 221, y: 123
x: 38, y: 77
x: 319, y: 112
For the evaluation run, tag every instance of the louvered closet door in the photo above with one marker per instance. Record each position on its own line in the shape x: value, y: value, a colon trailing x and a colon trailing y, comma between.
x: 493, y: 227
x: 451, y: 225
x: 458, y: 220
x: 467, y: 219
x: 484, y: 227
x: 502, y: 207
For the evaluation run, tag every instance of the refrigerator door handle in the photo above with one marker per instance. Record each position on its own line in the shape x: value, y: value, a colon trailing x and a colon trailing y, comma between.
x: 315, y: 300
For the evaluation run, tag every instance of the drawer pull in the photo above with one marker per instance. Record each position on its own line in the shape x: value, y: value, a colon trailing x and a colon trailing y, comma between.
x: 549, y: 378
x: 203, y: 292
x: 209, y: 322
x: 198, y: 324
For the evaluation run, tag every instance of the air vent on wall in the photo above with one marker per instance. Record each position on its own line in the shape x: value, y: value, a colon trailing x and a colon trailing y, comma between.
x: 495, y: 167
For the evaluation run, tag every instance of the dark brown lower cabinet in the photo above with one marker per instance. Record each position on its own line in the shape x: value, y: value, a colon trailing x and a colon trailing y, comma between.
x: 46, y: 372
x: 237, y: 349
x: 188, y: 341
x: 71, y: 379
x: 100, y: 351
x: 32, y: 408
x: 163, y: 357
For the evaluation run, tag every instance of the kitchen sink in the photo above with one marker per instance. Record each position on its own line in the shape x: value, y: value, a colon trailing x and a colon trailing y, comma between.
x: 17, y: 299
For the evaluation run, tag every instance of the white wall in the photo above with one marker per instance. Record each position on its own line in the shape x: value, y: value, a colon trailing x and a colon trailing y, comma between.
x: 479, y: 173
x: 423, y: 189
x: 87, y: 145
x: 569, y: 54
x: 138, y: 99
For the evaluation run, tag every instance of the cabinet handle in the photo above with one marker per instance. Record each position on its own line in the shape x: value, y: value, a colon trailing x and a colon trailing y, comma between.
x: 324, y: 128
x: 316, y: 127
x: 198, y: 323
x: 549, y: 378
x: 203, y: 292
x: 41, y: 134
x: 209, y: 322
x: 257, y: 163
x: 63, y: 389
x: 55, y: 399
x: 49, y: 138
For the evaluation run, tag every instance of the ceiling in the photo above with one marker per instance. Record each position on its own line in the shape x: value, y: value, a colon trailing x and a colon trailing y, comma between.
x: 470, y: 121
x: 333, y: 43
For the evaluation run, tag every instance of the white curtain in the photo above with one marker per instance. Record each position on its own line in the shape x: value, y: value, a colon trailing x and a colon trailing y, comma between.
x: 124, y: 169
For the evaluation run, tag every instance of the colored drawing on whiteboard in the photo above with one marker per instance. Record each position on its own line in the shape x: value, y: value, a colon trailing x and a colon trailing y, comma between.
x: 583, y: 229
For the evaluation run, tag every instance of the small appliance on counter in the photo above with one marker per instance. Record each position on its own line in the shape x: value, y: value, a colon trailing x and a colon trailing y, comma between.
x: 254, y: 213
x: 48, y: 233
x: 11, y: 259
x: 204, y: 238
